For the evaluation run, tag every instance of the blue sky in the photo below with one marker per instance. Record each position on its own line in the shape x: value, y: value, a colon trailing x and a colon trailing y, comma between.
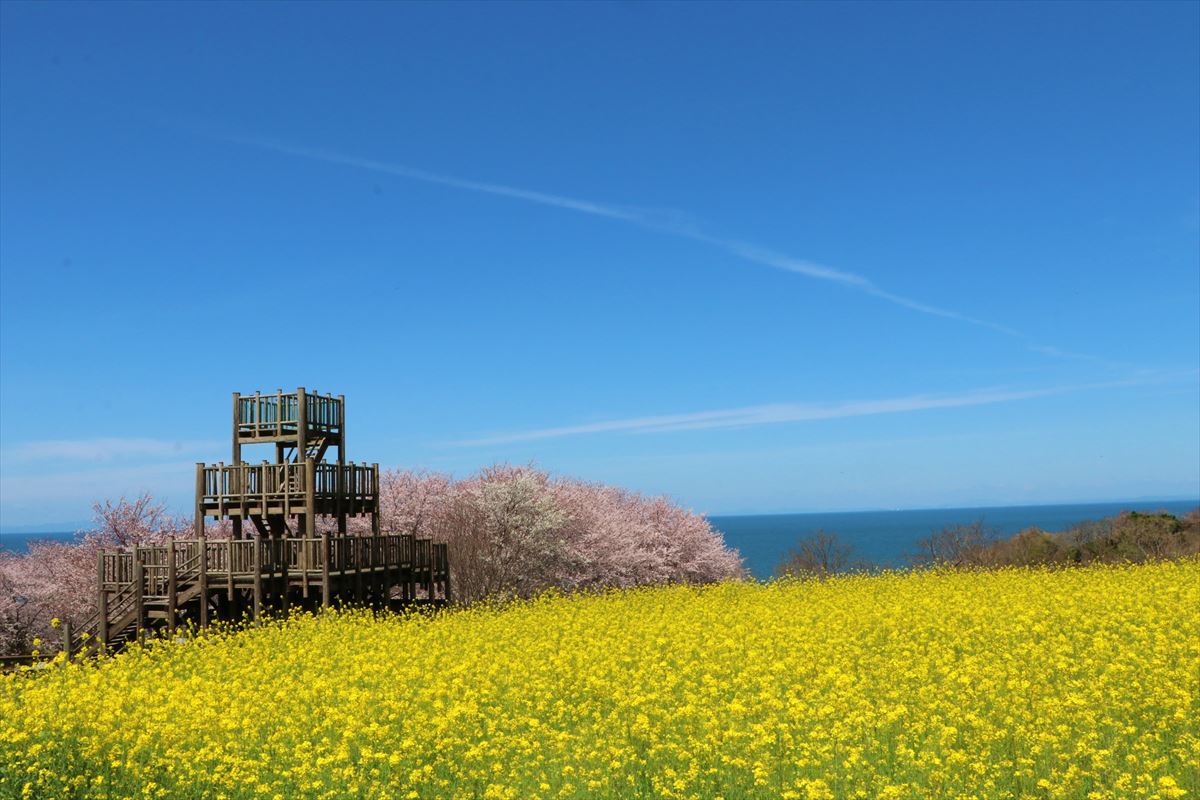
x: 774, y: 257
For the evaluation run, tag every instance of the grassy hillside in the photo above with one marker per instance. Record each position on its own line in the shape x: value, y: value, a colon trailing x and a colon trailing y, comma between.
x: 1041, y: 684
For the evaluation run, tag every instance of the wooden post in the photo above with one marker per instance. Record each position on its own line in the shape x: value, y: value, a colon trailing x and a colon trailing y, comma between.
x: 202, y: 576
x: 310, y: 498
x: 199, y: 520
x: 305, y: 545
x: 357, y: 545
x: 237, y: 474
x: 229, y: 571
x: 67, y: 644
x: 172, y: 586
x: 429, y: 575
x: 326, y: 587
x: 341, y: 430
x: 256, y: 566
x: 375, y: 523
x: 237, y: 443
x: 372, y: 580
x: 284, y: 556
x: 446, y: 584
x: 378, y: 569
x: 411, y: 583
x: 301, y: 424
x: 139, y: 591
x: 393, y: 568
x: 101, y: 602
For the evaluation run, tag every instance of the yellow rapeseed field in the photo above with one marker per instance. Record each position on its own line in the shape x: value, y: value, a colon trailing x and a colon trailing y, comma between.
x: 1078, y: 683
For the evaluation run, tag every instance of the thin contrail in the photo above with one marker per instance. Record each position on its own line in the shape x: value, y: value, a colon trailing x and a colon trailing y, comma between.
x: 639, y: 217
x: 783, y: 412
x: 657, y: 221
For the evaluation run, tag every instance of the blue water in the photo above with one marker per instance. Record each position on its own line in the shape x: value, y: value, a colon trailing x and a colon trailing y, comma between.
x: 886, y: 538
x: 18, y: 542
x: 889, y: 538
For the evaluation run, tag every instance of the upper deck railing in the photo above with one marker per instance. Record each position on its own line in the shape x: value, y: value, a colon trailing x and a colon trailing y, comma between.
x: 227, y: 485
x: 279, y: 414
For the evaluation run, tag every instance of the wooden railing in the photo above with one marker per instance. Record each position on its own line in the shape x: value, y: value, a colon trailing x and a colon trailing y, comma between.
x: 234, y: 484
x: 242, y: 557
x: 133, y: 580
x: 281, y: 412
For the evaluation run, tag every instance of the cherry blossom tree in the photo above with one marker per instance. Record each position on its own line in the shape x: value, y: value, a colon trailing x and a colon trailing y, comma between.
x: 58, y: 579
x: 515, y: 531
x: 512, y: 532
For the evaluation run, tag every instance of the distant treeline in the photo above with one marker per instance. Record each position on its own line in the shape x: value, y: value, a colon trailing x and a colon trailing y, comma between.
x: 1127, y: 537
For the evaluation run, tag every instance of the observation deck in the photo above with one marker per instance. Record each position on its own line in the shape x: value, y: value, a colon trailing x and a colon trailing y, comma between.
x: 285, y: 417
x: 288, y: 489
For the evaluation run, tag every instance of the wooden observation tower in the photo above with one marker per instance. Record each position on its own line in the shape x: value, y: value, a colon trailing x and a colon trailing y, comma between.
x: 285, y: 497
x: 296, y: 551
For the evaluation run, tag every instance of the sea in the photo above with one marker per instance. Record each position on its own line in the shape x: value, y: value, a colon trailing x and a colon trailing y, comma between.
x: 889, y: 538
x: 885, y: 538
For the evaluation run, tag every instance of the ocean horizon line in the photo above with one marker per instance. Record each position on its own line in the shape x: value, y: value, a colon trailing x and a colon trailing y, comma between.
x: 76, y: 527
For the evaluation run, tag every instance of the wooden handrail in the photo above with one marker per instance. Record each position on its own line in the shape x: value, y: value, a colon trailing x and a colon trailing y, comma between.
x: 288, y: 480
x: 425, y: 560
x: 283, y: 408
x: 296, y: 552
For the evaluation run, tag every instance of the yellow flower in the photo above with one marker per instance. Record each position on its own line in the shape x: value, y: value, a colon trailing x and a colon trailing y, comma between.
x: 1076, y: 682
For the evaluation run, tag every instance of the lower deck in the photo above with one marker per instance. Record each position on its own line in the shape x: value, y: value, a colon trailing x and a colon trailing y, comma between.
x: 198, y: 581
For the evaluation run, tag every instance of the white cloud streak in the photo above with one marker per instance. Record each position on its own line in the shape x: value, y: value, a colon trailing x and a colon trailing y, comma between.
x: 780, y: 413
x: 670, y: 223
x: 100, y: 450
x: 401, y: 171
